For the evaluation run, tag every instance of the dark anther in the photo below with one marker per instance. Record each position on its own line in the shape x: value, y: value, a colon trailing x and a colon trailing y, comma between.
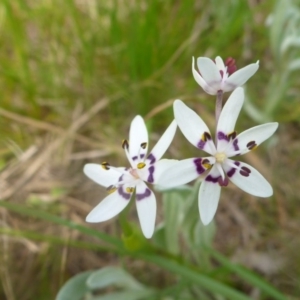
x: 245, y: 171
x: 232, y: 135
x: 206, y: 136
x: 125, y: 144
x: 251, y: 145
x: 143, y: 145
x: 105, y: 165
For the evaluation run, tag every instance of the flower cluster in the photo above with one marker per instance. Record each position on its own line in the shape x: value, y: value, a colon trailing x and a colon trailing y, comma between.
x: 216, y: 169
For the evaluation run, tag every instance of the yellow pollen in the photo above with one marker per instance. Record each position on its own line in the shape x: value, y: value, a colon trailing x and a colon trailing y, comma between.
x: 207, y: 166
x: 220, y: 157
x: 110, y: 190
x: 129, y: 189
x: 141, y: 165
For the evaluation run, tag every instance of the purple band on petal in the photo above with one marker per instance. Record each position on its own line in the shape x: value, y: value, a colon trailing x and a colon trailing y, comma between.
x: 150, y: 177
x: 222, y: 136
x: 121, y: 177
x: 199, y: 167
x: 125, y: 195
x: 152, y: 158
x: 231, y: 172
x: 136, y: 157
x: 212, y: 179
x: 201, y: 144
x: 144, y: 195
x: 235, y: 145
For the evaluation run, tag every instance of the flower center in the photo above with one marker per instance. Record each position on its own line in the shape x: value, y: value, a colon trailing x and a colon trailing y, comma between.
x: 220, y: 157
x: 134, y: 173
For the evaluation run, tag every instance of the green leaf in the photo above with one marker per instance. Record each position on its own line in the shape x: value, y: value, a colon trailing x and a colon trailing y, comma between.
x: 75, y: 288
x: 113, y: 276
x: 249, y: 276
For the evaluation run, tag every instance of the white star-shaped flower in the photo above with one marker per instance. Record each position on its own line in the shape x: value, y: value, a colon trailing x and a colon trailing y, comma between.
x: 122, y: 182
x: 215, y: 77
x: 218, y: 167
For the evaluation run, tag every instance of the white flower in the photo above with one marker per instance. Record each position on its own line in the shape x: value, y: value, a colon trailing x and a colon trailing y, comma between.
x: 122, y: 182
x: 217, y: 77
x: 218, y: 167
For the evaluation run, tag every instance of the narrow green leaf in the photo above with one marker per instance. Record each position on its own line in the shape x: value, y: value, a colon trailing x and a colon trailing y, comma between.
x: 39, y: 214
x: 249, y: 276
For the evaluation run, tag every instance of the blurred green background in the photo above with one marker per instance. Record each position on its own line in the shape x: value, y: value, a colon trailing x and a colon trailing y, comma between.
x: 73, y: 74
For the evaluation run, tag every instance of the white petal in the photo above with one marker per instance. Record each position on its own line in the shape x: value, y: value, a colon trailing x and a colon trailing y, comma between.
x: 160, y: 168
x: 108, y: 208
x: 138, y: 134
x: 257, y: 135
x: 201, y: 81
x: 220, y: 63
x: 164, y: 142
x: 228, y: 117
x: 240, y: 76
x: 102, y: 176
x: 209, y: 195
x: 230, y: 111
x: 192, y: 126
x: 209, y: 72
x: 183, y: 172
x: 146, y: 208
x: 254, y: 183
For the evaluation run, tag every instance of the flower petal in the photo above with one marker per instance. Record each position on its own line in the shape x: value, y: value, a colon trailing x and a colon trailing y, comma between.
x: 109, y: 207
x: 251, y: 138
x: 228, y: 117
x: 209, y: 72
x: 220, y: 64
x: 184, y: 171
x: 209, y: 195
x: 146, y: 208
x: 163, y: 144
x: 239, y: 77
x: 193, y: 127
x: 137, y: 136
x: 248, y: 179
x: 230, y: 111
x: 159, y: 168
x: 102, y: 176
x: 201, y: 81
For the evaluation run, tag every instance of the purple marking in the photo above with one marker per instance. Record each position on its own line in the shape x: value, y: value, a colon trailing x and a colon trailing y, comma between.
x: 201, y: 144
x: 199, y: 167
x: 232, y: 171
x: 223, y: 182
x: 125, y: 195
x: 210, y: 178
x: 121, y: 177
x: 222, y: 136
x: 152, y: 158
x: 150, y: 177
x: 235, y: 145
x: 144, y: 195
x: 136, y: 157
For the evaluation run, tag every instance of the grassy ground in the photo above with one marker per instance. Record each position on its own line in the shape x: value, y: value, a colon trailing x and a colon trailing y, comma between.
x: 73, y: 74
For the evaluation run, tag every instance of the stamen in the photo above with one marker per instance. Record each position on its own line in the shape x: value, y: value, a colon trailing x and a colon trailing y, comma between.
x: 144, y: 145
x: 129, y: 189
x: 141, y: 165
x: 251, y: 145
x: 111, y: 189
x: 231, y: 66
x: 125, y: 144
x: 232, y: 135
x: 245, y: 171
x: 206, y: 164
x: 205, y: 136
x: 105, y: 165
